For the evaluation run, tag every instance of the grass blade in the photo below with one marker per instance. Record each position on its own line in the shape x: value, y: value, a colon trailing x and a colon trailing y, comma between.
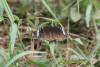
x: 8, y: 11
x: 52, y: 46
x: 13, y: 33
x: 20, y: 55
x: 44, y: 3
x: 79, y: 40
x: 98, y: 45
x: 88, y: 12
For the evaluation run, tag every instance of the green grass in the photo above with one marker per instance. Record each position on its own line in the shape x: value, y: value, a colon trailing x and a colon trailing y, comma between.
x: 70, y: 14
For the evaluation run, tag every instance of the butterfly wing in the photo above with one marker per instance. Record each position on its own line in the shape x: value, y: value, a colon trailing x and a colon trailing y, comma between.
x: 50, y: 33
x: 45, y: 33
x: 59, y: 33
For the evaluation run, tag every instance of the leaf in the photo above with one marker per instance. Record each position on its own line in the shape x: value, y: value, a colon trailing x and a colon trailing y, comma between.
x: 37, y: 22
x: 4, y: 57
x: 52, y: 46
x: 39, y: 64
x: 68, y: 5
x: 76, y: 57
x: 75, y: 16
x: 74, y: 51
x: 2, y: 62
x: 47, y: 19
x: 4, y: 54
x: 84, y: 3
x: 1, y: 8
x: 78, y: 40
x: 1, y: 18
x: 20, y: 21
x: 97, y: 14
x: 24, y: 2
x: 88, y: 12
x: 13, y: 33
x: 30, y: 22
x: 43, y: 59
x: 19, y: 56
x: 7, y: 10
x: 23, y: 8
x: 16, y: 17
x: 37, y: 12
x: 42, y: 25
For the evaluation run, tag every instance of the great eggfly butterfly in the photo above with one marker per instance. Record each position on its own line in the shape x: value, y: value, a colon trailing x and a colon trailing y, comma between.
x: 51, y: 33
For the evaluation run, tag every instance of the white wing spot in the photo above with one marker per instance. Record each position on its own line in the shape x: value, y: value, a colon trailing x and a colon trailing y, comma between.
x: 38, y: 32
x: 63, y: 31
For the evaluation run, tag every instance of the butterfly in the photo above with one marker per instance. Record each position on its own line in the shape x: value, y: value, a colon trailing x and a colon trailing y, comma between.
x: 51, y: 33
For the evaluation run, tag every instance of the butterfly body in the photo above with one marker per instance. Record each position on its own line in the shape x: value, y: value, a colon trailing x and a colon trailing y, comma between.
x: 51, y: 33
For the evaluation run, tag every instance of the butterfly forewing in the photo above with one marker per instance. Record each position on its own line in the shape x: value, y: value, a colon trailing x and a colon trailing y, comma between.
x: 45, y: 33
x: 58, y: 33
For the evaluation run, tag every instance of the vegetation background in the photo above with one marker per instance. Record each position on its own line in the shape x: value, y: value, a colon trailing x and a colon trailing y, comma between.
x: 20, y: 18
